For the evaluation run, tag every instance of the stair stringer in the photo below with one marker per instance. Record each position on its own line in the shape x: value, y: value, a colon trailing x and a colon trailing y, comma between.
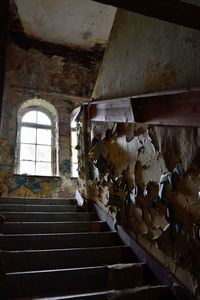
x: 162, y: 275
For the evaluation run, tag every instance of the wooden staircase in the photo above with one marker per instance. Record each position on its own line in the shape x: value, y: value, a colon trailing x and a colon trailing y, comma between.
x: 55, y: 249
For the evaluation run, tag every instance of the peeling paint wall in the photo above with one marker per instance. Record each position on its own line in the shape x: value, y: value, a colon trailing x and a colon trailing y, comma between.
x: 61, y: 81
x: 148, y: 177
x: 160, y: 208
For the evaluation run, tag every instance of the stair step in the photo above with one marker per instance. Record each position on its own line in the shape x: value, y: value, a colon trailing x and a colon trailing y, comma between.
x: 53, y: 282
x: 58, y: 281
x: 140, y: 293
x: 55, y: 249
x: 48, y: 216
x: 41, y: 208
x: 53, y: 227
x: 32, y: 260
x: 39, y: 201
x: 59, y: 240
x: 158, y: 292
x: 102, y: 295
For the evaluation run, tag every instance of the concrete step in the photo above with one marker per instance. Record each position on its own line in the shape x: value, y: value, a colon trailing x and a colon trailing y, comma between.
x: 53, y: 227
x: 59, y: 240
x: 48, y: 216
x: 34, y: 260
x: 41, y: 208
x: 159, y: 292
x: 40, y: 201
x: 67, y: 281
x: 140, y: 293
x: 101, y: 295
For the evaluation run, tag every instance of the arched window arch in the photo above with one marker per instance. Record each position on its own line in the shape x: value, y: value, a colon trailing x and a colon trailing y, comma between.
x: 37, y: 140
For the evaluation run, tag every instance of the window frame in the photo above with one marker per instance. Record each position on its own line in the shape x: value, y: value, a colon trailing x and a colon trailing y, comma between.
x: 52, y: 127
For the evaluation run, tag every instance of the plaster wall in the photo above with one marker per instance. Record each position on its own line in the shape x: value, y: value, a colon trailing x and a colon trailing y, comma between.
x: 147, y: 177
x: 73, y: 22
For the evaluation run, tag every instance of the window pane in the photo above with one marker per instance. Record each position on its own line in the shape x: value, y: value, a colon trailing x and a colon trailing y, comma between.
x: 43, y: 168
x: 73, y: 124
x: 42, y: 118
x: 28, y: 135
x: 44, y: 136
x: 74, y: 156
x: 27, y: 152
x: 74, y: 170
x: 30, y: 117
x: 43, y: 153
x: 27, y: 167
x: 73, y: 138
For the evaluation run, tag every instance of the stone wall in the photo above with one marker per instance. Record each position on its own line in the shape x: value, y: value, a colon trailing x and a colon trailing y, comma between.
x: 63, y: 82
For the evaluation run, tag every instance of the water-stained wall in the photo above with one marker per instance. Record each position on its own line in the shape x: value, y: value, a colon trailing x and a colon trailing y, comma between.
x: 148, y: 177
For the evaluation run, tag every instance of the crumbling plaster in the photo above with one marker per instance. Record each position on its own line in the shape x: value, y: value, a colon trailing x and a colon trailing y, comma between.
x: 147, y: 177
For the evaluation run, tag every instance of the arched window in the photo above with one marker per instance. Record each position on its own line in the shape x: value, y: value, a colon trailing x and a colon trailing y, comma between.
x: 36, y: 142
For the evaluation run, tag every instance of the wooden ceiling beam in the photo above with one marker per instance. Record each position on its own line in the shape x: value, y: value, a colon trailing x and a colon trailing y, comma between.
x: 173, y: 11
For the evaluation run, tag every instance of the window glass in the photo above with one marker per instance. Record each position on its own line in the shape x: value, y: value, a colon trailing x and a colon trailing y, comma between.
x: 27, y: 167
x: 43, y: 168
x: 29, y: 117
x: 74, y: 152
x: 73, y: 138
x: 28, y: 135
x: 74, y: 170
x: 74, y: 156
x: 44, y: 136
x: 27, y: 152
x: 73, y: 124
x: 43, y: 153
x: 43, y: 119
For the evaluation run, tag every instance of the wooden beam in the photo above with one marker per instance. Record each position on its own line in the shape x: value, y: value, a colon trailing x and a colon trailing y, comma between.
x: 173, y: 11
x: 172, y: 108
x: 179, y: 109
x: 4, y: 13
x: 114, y: 110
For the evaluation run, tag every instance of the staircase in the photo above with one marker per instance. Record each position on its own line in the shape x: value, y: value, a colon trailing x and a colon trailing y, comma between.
x: 55, y: 249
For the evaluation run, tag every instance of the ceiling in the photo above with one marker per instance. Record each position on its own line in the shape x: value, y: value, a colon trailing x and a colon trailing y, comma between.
x: 80, y: 23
